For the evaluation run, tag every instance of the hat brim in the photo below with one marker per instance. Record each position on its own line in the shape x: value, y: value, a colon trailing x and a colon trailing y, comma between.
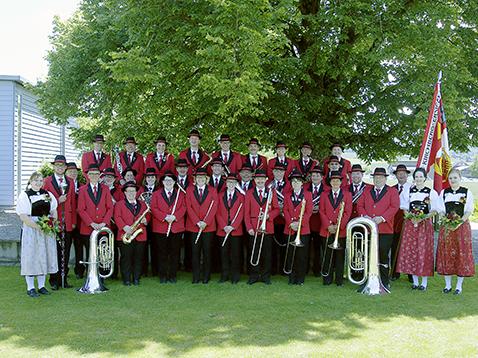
x: 172, y: 176
x: 401, y: 170
x: 379, y: 174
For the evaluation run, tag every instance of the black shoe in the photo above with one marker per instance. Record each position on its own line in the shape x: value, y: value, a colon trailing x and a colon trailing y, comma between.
x: 195, y: 281
x: 326, y: 283
x: 422, y: 288
x: 163, y: 280
x: 340, y: 284
x: 235, y: 282
x: 54, y: 287
x: 268, y: 282
x: 222, y: 280
x: 67, y: 285
x: 136, y: 282
x: 251, y: 281
x: 205, y: 282
x: 126, y: 283
x: 43, y: 291
x: 33, y: 293
x: 410, y: 278
x: 446, y: 290
x: 414, y: 287
x: 457, y: 292
x: 172, y: 280
x: 394, y: 278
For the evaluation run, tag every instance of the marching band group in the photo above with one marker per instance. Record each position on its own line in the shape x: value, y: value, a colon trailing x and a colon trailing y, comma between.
x: 235, y: 213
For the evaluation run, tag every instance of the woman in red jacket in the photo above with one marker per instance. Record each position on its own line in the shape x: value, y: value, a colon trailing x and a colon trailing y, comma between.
x: 230, y: 215
x: 168, y: 207
x: 293, y: 203
x: 329, y: 208
x: 126, y: 213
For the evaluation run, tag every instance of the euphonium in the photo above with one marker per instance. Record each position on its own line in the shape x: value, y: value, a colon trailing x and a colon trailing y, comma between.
x: 261, y: 227
x: 362, y: 255
x: 101, y: 256
x: 127, y: 238
x: 296, y: 243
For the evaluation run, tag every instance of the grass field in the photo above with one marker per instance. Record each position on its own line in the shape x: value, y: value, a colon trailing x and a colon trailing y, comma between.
x: 225, y: 320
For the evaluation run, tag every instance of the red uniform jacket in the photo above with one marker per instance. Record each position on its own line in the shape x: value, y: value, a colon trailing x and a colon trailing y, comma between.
x: 315, y: 217
x: 356, y: 196
x: 93, y: 209
x: 116, y: 193
x: 167, y: 164
x: 289, y: 164
x: 261, y: 162
x: 186, y: 154
x: 329, y: 211
x: 386, y: 205
x: 137, y: 164
x: 197, y: 208
x: 161, y: 206
x: 221, y: 185
x: 281, y: 190
x: 89, y: 158
x: 226, y: 214
x: 69, y: 206
x: 126, y: 214
x: 234, y: 161
x: 188, y: 180
x: 252, y: 207
x: 345, y: 169
x: 292, y: 207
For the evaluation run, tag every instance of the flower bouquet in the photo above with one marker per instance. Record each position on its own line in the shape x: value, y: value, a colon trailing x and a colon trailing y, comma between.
x: 415, y: 215
x: 49, y: 225
x: 451, y: 221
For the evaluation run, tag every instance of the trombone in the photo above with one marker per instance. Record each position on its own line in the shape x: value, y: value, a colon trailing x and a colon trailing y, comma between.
x: 261, y: 227
x: 335, y: 245
x: 296, y: 243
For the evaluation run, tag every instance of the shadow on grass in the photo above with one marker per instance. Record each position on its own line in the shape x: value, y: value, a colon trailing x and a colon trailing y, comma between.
x: 180, y: 318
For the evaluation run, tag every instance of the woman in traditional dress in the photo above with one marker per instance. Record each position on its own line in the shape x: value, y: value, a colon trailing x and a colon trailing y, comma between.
x: 416, y: 249
x: 454, y: 254
x: 38, y: 250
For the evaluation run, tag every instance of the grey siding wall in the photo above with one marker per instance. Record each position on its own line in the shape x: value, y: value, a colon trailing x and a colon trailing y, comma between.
x: 6, y: 142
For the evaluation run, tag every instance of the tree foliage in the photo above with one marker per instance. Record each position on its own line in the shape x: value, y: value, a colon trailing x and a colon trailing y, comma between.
x: 358, y: 72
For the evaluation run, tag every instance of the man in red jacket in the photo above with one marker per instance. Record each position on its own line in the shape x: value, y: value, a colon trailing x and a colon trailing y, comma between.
x: 280, y: 159
x: 305, y: 163
x: 297, y: 211
x: 357, y: 187
x: 380, y: 203
x: 201, y: 204
x: 96, y: 156
x: 126, y: 213
x: 161, y: 159
x: 337, y: 150
x: 259, y: 201
x: 95, y: 207
x: 229, y: 217
x: 232, y: 160
x: 63, y: 188
x: 168, y: 206
x: 253, y: 158
x: 329, y: 208
x: 194, y: 155
x: 130, y: 158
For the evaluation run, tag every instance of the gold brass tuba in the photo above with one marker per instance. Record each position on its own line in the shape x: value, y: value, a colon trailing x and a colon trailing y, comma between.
x: 101, y: 256
x: 362, y: 256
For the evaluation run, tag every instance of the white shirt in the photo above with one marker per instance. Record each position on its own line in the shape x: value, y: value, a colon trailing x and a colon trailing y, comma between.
x: 469, y: 204
x: 24, y: 206
x: 406, y: 198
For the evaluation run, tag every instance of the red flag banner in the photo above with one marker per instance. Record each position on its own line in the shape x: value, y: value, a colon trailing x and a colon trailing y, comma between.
x: 435, y: 150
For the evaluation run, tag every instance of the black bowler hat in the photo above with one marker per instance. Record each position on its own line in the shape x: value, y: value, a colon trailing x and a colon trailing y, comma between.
x: 317, y: 169
x: 335, y: 175
x: 334, y: 158
x: 224, y: 138
x: 151, y: 172
x: 200, y: 171
x: 59, y: 159
x: 306, y: 145
x: 99, y: 138
x: 254, y: 141
x: 246, y: 167
x: 168, y: 174
x: 129, y: 169
x: 130, y: 140
x: 93, y: 168
x: 216, y: 160
x: 194, y: 132
x: 260, y: 174
x: 357, y: 168
x: 336, y: 145
x: 379, y: 171
x: 401, y: 168
x: 181, y: 163
x: 109, y: 171
x: 232, y: 176
x: 161, y: 139
x: 279, y: 166
x: 129, y: 184
x: 281, y: 144
x: 295, y: 174
x: 71, y: 165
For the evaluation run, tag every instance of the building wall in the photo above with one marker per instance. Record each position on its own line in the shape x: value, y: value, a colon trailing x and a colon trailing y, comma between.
x: 6, y: 142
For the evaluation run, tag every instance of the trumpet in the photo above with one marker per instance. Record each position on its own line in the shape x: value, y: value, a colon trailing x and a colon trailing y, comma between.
x: 335, y: 245
x: 261, y: 227
x: 128, y: 238
x: 101, y: 256
x: 296, y: 243
x: 362, y: 256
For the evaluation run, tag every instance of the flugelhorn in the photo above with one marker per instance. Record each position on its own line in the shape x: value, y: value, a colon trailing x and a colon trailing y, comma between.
x: 296, y: 243
x: 261, y: 227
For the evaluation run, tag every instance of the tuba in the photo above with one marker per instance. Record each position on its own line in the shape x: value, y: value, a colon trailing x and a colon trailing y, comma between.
x: 362, y: 256
x: 101, y: 256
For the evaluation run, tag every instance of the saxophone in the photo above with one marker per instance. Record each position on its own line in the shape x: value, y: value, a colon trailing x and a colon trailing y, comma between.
x: 127, y: 238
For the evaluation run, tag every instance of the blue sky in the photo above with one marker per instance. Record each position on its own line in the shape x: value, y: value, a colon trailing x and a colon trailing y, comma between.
x: 24, y: 29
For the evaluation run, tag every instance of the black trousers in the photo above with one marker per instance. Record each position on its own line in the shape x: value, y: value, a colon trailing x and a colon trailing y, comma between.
x: 63, y: 256
x: 189, y: 238
x: 83, y: 241
x: 131, y: 260
x: 151, y: 254
x: 384, y: 245
x: 278, y: 250
x: 168, y: 249
x: 262, y: 271
x: 301, y: 260
x: 230, y: 258
x: 334, y: 261
x: 317, y: 248
x: 75, y: 239
x: 203, y: 246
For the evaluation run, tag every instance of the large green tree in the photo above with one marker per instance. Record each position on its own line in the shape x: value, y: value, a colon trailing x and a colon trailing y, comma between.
x: 358, y: 72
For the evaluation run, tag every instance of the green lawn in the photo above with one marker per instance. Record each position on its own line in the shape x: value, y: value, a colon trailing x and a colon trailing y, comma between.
x: 225, y: 320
